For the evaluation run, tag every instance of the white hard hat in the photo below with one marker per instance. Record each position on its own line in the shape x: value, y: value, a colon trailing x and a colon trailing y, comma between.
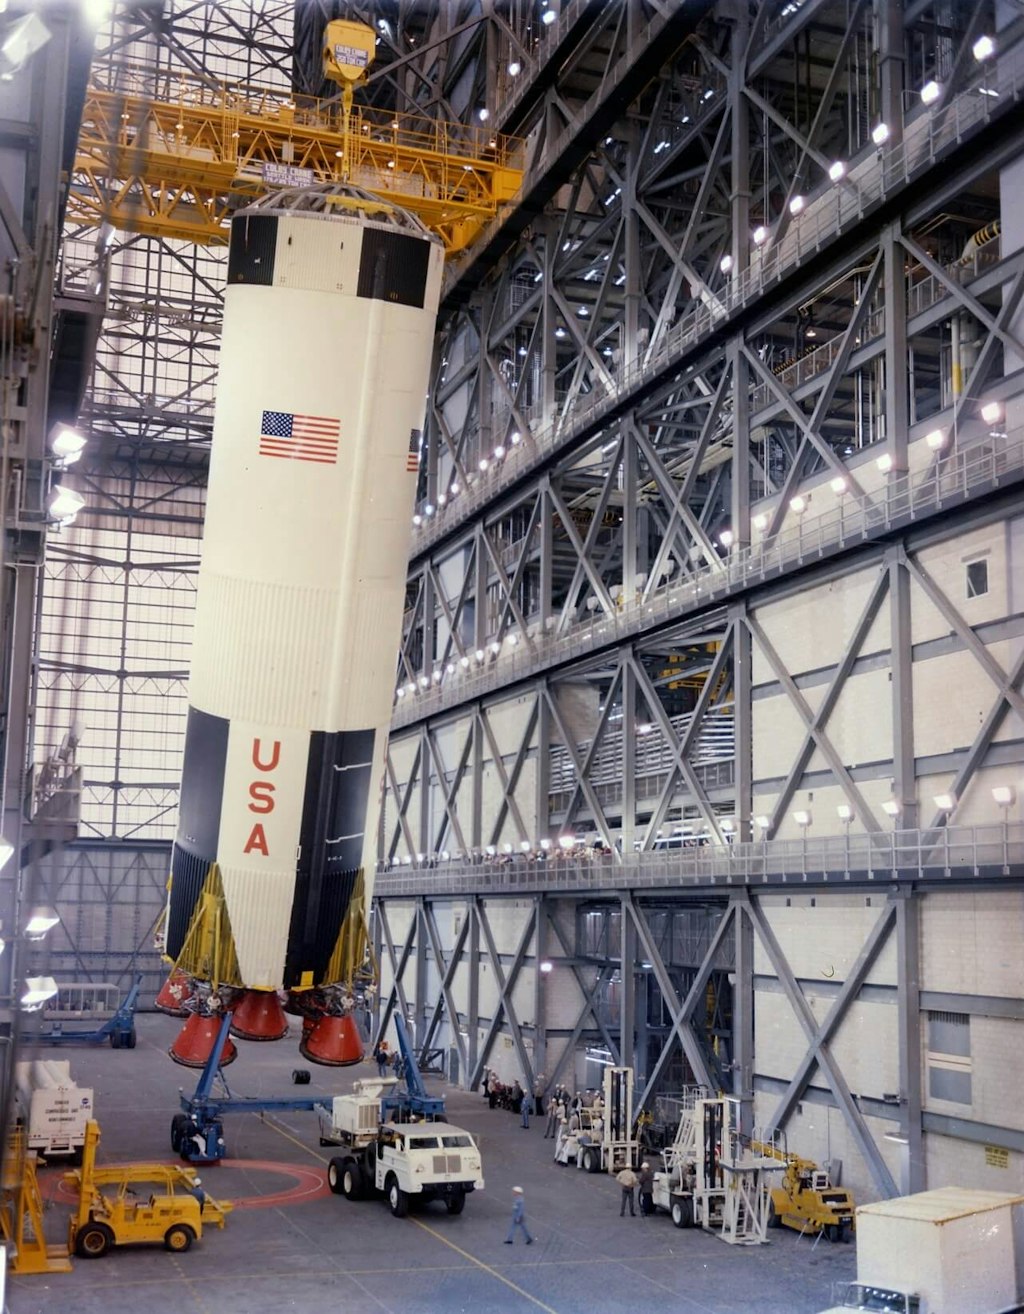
x: 197, y: 1181
x: 517, y: 1190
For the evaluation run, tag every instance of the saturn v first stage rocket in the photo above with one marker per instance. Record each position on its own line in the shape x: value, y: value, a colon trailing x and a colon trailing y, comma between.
x: 328, y: 327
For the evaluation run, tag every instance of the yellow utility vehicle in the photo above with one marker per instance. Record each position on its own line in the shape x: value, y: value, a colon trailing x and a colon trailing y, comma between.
x: 134, y: 1203
x: 806, y: 1200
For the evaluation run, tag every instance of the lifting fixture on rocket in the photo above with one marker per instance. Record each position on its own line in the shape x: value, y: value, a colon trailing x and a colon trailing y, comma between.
x: 328, y: 329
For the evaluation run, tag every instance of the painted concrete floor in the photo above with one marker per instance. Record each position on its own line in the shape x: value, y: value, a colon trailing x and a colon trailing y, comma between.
x: 292, y: 1246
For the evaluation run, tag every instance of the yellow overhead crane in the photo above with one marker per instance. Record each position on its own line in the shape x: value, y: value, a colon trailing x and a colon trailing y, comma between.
x: 169, y: 155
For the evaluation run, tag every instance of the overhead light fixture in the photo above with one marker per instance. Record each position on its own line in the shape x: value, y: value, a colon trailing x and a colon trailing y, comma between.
x: 798, y: 504
x: 880, y: 134
x: 1004, y: 795
x: 802, y: 818
x: 544, y: 844
x: 726, y: 538
x: 42, y: 919
x: 891, y: 807
x: 984, y: 48
x: 483, y: 114
x: 567, y: 842
x: 64, y: 504
x: 763, y: 822
x: 884, y: 463
x: 760, y: 235
x: 67, y: 444
x: 20, y: 42
x: 727, y: 825
x: 759, y: 522
x: 725, y: 264
x: 945, y: 802
x: 936, y: 440
x: 548, y: 17
x: 796, y: 205
x: 38, y: 989
x: 930, y: 92
x: 546, y: 966
x: 844, y: 812
x: 837, y: 171
x: 839, y: 484
x: 992, y: 412
x: 515, y: 68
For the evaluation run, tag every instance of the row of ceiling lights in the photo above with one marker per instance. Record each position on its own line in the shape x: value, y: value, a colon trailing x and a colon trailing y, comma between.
x: 984, y: 48
x: 991, y: 412
x: 1004, y: 795
x: 455, y: 488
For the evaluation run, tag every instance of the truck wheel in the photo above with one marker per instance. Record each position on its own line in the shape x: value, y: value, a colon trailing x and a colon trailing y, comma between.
x: 590, y: 1161
x: 93, y: 1241
x: 352, y: 1181
x: 677, y: 1213
x: 130, y: 1039
x: 398, y: 1200
x: 335, y: 1169
x: 774, y: 1220
x: 179, y: 1238
x: 179, y: 1123
x: 456, y: 1203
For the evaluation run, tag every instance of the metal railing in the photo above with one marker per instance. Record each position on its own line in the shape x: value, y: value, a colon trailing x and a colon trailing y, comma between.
x: 905, y: 498
x: 824, y: 219
x: 941, y: 854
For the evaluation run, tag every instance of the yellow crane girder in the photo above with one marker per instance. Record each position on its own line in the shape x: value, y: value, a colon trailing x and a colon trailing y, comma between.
x: 175, y: 162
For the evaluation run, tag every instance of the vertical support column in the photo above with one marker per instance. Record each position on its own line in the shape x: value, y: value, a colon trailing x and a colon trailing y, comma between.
x: 472, y: 990
x: 479, y: 748
x: 540, y: 983
x: 542, y: 810
x: 420, y: 949
x: 740, y: 182
x: 424, y: 839
x: 742, y: 685
x: 629, y: 511
x: 628, y: 826
x: 743, y: 1009
x: 889, y: 39
x: 913, y: 1176
x: 484, y: 384
x: 901, y: 667
x: 897, y: 384
x: 547, y: 520
x: 429, y: 621
x: 627, y: 991
x: 549, y: 322
x: 739, y: 514
x: 633, y: 288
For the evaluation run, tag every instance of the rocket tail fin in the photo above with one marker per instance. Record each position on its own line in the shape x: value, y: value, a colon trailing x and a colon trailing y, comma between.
x: 208, y: 951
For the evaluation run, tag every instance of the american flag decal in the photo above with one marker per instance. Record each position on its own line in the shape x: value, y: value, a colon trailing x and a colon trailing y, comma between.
x: 412, y: 461
x: 300, y: 437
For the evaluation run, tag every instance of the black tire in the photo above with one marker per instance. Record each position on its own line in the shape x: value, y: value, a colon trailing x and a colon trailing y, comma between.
x: 774, y: 1219
x: 834, y: 1232
x: 587, y: 1160
x: 179, y: 1123
x: 456, y: 1203
x: 130, y: 1039
x: 93, y: 1241
x: 398, y: 1200
x: 300, y: 1076
x: 352, y: 1180
x: 677, y: 1213
x: 179, y: 1238
x: 335, y: 1169
x: 115, y: 1040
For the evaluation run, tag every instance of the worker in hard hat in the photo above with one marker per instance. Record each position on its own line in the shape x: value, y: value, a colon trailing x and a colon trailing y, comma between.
x: 627, y: 1179
x: 646, y: 1189
x: 518, y: 1217
x: 196, y: 1190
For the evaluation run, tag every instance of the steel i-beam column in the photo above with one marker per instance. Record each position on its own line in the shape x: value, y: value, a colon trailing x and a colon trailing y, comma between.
x: 743, y: 1010
x: 913, y: 1176
x: 628, y: 995
x: 902, y: 668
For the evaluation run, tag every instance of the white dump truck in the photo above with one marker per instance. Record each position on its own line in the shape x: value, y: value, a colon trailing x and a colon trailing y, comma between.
x: 404, y: 1161
x: 53, y: 1110
x: 948, y: 1251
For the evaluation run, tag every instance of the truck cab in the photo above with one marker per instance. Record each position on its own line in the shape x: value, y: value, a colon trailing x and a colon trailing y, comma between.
x: 868, y: 1297
x: 411, y: 1161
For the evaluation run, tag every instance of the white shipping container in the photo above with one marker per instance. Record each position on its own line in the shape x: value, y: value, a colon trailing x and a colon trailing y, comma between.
x: 53, y: 1110
x: 961, y: 1250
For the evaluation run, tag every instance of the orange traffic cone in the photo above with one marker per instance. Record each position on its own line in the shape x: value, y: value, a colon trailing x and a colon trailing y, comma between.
x: 258, y: 1015
x: 174, y: 993
x: 194, y: 1043
x: 333, y: 1041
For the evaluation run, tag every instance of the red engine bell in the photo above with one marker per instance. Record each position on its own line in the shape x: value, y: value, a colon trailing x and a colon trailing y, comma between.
x: 258, y: 1015
x: 174, y: 992
x: 194, y: 1043
x: 332, y: 1041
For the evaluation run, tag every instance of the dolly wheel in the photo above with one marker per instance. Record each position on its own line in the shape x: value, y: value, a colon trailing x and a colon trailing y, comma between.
x: 335, y: 1169
x: 456, y: 1203
x: 94, y: 1240
x: 179, y: 1238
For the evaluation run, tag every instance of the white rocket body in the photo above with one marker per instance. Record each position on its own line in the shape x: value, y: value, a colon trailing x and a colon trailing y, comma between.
x: 328, y: 327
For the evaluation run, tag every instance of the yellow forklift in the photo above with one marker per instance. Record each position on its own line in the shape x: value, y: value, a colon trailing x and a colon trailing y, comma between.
x: 134, y: 1203
x: 806, y: 1200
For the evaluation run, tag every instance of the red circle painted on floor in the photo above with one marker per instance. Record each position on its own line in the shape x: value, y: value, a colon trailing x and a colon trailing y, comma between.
x: 309, y: 1183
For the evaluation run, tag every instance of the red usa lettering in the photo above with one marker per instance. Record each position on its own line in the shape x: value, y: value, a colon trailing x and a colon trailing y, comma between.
x: 261, y: 794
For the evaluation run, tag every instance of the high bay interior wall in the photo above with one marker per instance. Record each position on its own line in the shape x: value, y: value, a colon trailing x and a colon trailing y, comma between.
x: 609, y: 401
